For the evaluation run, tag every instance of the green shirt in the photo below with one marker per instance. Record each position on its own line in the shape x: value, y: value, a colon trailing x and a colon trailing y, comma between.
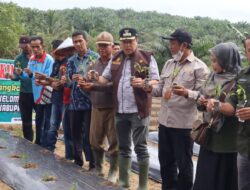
x: 243, y: 138
x: 22, y: 62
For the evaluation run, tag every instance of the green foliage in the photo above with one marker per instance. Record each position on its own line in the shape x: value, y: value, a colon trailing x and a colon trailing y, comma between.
x: 217, y: 90
x: 175, y: 72
x: 240, y: 93
x: 10, y: 29
x: 59, y: 24
x: 141, y: 69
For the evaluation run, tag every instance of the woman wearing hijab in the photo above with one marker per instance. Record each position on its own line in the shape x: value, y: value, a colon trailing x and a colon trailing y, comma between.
x: 217, y: 162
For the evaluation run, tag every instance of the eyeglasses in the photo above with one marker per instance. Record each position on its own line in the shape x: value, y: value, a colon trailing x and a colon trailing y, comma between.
x: 35, y: 47
x: 103, y: 45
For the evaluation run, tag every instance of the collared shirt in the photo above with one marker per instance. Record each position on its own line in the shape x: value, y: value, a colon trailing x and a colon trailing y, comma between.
x: 125, y: 94
x: 43, y: 65
x: 25, y: 83
x: 79, y: 100
x: 101, y: 96
x: 178, y: 111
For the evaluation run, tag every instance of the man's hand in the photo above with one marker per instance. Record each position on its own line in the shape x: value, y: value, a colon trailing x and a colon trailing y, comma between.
x: 63, y: 80
x: 28, y: 71
x: 243, y: 113
x: 40, y: 76
x: 137, y: 82
x: 87, y: 86
x: 18, y: 71
x: 56, y: 85
x: 180, y: 90
x: 76, y: 77
x: 38, y: 82
x: 202, y: 101
x: 212, y: 104
x: 93, y: 75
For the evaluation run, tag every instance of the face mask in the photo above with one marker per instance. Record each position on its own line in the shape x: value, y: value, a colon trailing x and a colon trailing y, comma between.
x: 178, y: 56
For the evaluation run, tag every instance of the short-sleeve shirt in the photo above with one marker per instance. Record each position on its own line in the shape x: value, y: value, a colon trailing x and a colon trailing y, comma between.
x: 125, y: 94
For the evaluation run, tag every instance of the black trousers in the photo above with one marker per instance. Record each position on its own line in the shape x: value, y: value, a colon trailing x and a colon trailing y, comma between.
x: 43, y: 113
x: 175, y: 157
x: 80, y: 128
x: 26, y: 105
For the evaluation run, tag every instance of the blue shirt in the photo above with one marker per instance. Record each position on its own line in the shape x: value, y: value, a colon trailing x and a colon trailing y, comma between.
x: 42, y: 65
x: 79, y: 100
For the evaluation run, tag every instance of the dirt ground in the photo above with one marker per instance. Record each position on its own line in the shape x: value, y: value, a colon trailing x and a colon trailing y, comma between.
x: 3, y: 186
x: 16, y: 130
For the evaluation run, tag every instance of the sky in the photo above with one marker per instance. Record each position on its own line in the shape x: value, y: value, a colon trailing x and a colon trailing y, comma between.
x: 232, y: 10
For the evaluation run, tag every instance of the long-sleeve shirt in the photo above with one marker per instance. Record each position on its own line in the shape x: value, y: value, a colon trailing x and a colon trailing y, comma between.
x: 178, y: 111
x: 101, y: 96
x: 79, y: 100
x: 21, y: 61
x: 42, y: 65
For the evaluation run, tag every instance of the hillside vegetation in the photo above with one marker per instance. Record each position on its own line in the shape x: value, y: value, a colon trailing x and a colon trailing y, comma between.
x: 59, y: 24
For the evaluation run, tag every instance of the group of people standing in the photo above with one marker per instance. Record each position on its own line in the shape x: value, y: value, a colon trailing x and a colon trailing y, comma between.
x: 109, y: 94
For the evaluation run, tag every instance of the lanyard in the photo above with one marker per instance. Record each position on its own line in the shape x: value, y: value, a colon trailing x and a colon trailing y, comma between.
x: 176, y: 71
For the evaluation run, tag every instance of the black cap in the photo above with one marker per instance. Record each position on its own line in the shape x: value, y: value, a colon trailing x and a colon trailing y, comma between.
x: 181, y: 35
x: 128, y: 34
x: 24, y: 40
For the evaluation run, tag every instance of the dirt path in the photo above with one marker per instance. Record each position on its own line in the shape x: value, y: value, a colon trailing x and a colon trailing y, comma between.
x: 16, y: 130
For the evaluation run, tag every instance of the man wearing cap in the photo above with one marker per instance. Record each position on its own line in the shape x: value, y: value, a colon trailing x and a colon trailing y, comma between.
x: 26, y: 103
x: 129, y: 70
x: 181, y: 78
x: 40, y: 62
x: 102, y: 115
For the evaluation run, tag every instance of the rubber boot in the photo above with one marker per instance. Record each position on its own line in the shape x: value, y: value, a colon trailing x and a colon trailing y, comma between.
x: 113, y: 170
x: 124, y: 171
x: 98, y: 160
x: 143, y: 175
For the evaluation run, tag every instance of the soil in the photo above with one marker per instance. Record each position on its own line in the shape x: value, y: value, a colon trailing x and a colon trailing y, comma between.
x: 15, y: 156
x: 30, y: 166
x: 49, y: 178
x: 3, y: 186
x: 60, y: 151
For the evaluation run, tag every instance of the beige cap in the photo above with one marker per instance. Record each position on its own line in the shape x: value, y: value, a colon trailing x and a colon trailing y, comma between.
x: 104, y: 38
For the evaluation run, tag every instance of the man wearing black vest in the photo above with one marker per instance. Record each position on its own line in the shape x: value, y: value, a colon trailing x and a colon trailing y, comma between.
x: 132, y: 72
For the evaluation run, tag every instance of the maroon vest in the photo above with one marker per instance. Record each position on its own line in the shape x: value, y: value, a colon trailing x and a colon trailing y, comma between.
x: 143, y: 99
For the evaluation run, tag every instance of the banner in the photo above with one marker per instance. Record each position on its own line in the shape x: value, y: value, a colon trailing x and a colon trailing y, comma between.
x: 9, y: 94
